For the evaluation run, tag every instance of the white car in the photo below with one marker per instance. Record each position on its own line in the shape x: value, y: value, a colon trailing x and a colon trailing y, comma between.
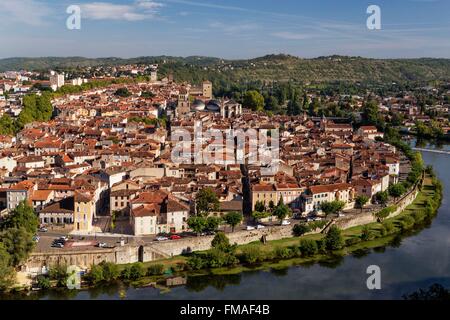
x: 65, y: 238
x: 250, y: 228
x: 341, y: 215
x: 285, y: 222
x: 260, y: 226
x: 161, y: 238
x: 317, y: 218
x: 309, y: 220
x: 36, y: 238
x: 101, y: 244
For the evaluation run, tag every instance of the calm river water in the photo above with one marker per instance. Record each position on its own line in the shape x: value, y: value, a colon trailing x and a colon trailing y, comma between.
x: 419, y: 261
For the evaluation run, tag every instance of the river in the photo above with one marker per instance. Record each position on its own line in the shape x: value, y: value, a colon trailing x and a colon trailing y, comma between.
x: 419, y: 261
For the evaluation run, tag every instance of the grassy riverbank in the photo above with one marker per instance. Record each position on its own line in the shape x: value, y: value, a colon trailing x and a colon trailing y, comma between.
x: 280, y: 254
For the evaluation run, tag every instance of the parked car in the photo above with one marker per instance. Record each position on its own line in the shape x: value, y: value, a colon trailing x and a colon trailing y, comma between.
x: 160, y: 238
x: 43, y: 229
x: 175, y: 237
x: 317, y: 218
x: 58, y: 245
x: 65, y: 238
x: 101, y: 245
x: 341, y: 215
x: 309, y: 219
x: 285, y: 222
x: 250, y: 228
x: 260, y: 226
x: 36, y: 238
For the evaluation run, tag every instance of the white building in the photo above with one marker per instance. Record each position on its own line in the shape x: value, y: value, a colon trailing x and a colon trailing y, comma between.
x: 56, y: 80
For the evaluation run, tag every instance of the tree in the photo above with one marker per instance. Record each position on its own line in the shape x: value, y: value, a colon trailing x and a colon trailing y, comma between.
x: 95, y: 276
x: 197, y: 224
x: 260, y: 206
x: 361, y: 200
x: 212, y: 223
x: 308, y: 247
x: 110, y: 271
x: 254, y: 100
x: 396, y: 190
x: 382, y: 197
x: 333, y: 239
x: 122, y: 92
x: 300, y: 229
x: 7, y: 273
x: 18, y: 243
x: 281, y: 211
x: 221, y: 242
x: 233, y: 219
x: 23, y: 216
x: 206, y: 201
x: 332, y: 207
x: 259, y: 215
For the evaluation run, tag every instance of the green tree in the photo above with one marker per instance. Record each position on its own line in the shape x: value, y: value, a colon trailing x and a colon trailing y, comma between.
x: 221, y: 242
x: 332, y: 207
x: 333, y: 239
x: 260, y: 206
x: 23, y: 216
x: 95, y: 275
x: 110, y: 271
x: 382, y: 197
x: 206, y: 201
x: 361, y: 200
x: 257, y: 215
x: 212, y: 223
x: 254, y: 100
x: 282, y: 211
x: 18, y: 243
x: 233, y: 219
x: 300, y: 229
x: 308, y: 247
x: 7, y: 274
x: 7, y: 125
x: 122, y: 92
x: 197, y: 224
x: 396, y: 190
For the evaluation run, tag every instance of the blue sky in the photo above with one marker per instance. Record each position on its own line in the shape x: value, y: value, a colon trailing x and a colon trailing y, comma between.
x: 225, y: 28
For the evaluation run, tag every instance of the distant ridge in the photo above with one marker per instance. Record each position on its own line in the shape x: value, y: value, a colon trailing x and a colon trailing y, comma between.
x: 272, y: 67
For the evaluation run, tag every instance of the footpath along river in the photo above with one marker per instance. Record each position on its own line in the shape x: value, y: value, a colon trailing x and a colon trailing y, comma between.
x: 417, y: 262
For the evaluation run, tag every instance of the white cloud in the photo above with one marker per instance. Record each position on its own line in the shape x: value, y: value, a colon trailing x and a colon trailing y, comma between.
x: 234, y: 28
x: 139, y: 10
x: 30, y: 12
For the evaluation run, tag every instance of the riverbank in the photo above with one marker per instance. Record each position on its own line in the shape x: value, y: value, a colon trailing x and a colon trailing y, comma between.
x: 280, y: 254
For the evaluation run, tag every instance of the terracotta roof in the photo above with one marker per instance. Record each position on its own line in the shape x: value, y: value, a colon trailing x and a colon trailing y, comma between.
x: 330, y: 188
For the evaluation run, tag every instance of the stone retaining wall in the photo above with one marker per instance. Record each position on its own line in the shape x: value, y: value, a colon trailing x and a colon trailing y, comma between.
x: 158, y: 250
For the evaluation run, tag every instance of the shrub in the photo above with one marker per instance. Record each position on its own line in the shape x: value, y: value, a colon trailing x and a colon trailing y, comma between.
x: 43, y: 282
x: 419, y: 216
x: 308, y: 247
x: 283, y: 253
x: 180, y: 266
x: 134, y: 271
x: 407, y: 222
x: 155, y: 269
x: 333, y: 239
x: 59, y: 273
x: 251, y: 255
x: 352, y: 241
x: 110, y: 271
x: 389, y: 226
x: 300, y: 229
x: 321, y: 246
x: 95, y: 275
x: 366, y: 234
x: 196, y: 262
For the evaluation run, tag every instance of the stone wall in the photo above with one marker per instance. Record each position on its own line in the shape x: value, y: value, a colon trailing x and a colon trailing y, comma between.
x: 165, y: 249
